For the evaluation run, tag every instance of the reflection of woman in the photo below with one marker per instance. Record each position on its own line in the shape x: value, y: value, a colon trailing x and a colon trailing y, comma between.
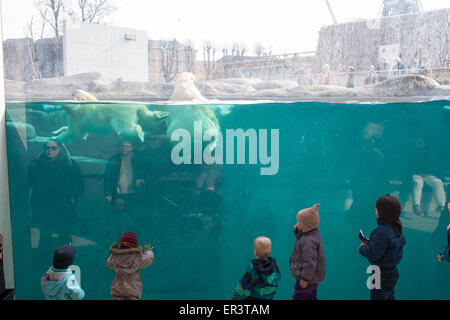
x: 56, y: 184
x: 422, y: 176
x: 122, y: 174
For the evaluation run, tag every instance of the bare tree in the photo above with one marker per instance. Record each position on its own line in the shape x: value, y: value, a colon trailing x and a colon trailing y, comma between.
x: 43, y: 14
x: 189, y: 55
x: 35, y: 27
x: 209, y: 52
x: 29, y: 28
x: 94, y: 11
x: 55, y: 8
x: 225, y: 61
x: 169, y: 59
x: 243, y: 49
x: 29, y: 38
x: 259, y: 49
x: 235, y: 50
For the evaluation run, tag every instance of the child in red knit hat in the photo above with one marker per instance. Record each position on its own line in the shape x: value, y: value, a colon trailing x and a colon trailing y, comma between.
x: 127, y: 260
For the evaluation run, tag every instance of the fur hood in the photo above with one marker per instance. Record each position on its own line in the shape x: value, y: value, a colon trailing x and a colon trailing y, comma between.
x: 116, y: 250
x: 127, y: 264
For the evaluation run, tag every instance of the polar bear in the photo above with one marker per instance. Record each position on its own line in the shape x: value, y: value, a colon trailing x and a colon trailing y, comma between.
x: 184, y: 116
x: 185, y: 89
x: 98, y: 118
x: 80, y: 95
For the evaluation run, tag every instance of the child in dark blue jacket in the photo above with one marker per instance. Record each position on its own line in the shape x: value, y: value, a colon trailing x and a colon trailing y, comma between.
x: 384, y: 248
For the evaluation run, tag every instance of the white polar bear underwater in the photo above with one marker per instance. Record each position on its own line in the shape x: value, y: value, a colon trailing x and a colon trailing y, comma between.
x: 98, y: 118
x: 104, y: 118
x: 184, y: 113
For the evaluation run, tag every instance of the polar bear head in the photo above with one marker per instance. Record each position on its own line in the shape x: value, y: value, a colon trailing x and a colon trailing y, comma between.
x: 184, y: 78
x: 185, y: 89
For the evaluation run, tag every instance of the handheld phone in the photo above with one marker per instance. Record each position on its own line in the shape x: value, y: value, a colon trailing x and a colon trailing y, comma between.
x: 362, y: 237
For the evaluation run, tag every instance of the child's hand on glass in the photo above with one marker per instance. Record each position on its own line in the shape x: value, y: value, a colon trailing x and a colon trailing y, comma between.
x: 147, y: 247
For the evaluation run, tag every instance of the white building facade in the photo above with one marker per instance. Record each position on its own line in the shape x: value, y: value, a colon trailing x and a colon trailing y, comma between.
x: 115, y: 52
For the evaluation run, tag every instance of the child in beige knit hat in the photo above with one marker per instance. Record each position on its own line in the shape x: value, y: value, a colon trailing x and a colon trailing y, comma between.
x: 308, y: 219
x: 307, y: 261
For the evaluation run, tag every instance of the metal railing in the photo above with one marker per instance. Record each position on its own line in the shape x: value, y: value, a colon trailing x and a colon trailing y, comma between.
x: 362, y: 78
x: 344, y: 79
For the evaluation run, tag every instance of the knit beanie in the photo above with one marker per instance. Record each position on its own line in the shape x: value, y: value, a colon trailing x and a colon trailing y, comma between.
x: 389, y: 209
x: 63, y: 257
x: 308, y: 218
x: 128, y: 240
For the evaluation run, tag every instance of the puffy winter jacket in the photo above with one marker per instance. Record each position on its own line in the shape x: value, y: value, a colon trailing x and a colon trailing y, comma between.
x: 127, y: 264
x: 61, y: 284
x: 260, y: 281
x: 385, y: 248
x: 307, y: 260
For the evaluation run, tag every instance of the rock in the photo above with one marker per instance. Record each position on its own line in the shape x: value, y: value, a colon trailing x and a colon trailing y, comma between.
x: 404, y: 86
x: 25, y: 130
x: 275, y: 84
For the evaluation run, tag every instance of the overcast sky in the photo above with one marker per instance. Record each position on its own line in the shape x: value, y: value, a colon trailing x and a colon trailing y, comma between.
x: 285, y: 26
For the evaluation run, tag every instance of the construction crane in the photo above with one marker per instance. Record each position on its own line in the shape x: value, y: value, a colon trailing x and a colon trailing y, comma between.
x: 331, y: 12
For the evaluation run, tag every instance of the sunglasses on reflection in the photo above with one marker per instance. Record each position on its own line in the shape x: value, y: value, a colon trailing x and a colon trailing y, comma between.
x: 51, y: 148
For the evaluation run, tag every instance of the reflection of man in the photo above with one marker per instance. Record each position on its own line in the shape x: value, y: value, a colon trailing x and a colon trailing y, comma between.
x: 122, y: 175
x: 368, y: 175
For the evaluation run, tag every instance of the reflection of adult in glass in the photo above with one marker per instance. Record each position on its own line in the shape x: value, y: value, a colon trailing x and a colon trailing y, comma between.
x: 56, y: 184
x: 368, y: 175
x: 122, y: 174
x: 422, y: 175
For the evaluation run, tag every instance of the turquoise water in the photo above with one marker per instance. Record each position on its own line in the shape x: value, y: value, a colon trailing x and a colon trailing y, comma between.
x: 202, y: 219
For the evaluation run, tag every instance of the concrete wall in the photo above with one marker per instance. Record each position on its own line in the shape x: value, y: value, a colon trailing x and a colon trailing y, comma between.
x: 5, y: 219
x: 26, y: 60
x: 357, y: 43
x: 104, y: 49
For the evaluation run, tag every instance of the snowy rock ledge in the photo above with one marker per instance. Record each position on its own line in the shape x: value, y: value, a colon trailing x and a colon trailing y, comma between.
x: 250, y: 89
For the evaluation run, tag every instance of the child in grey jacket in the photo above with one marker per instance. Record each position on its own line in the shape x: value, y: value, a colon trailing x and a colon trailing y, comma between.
x: 307, y: 262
